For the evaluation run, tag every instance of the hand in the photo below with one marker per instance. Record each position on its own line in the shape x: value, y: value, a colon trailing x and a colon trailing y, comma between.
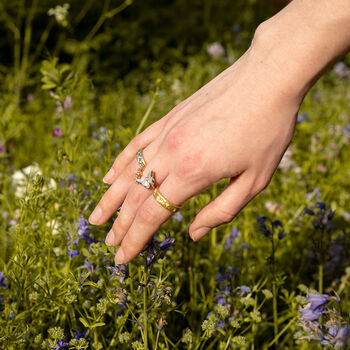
x: 237, y: 126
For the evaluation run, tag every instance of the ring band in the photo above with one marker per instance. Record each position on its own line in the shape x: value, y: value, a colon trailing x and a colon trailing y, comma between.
x: 164, y: 202
x: 142, y: 163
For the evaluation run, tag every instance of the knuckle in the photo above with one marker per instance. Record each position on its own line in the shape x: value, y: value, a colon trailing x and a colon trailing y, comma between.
x: 119, y: 227
x: 175, y: 138
x: 224, y: 215
x: 261, y: 184
x: 186, y: 168
x: 146, y: 215
x: 131, y: 245
x: 130, y: 171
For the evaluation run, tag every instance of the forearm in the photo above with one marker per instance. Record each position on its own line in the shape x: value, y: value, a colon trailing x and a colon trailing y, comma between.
x: 301, y: 41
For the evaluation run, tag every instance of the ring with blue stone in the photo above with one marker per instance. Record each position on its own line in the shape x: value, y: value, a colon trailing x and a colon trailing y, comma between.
x: 142, y: 163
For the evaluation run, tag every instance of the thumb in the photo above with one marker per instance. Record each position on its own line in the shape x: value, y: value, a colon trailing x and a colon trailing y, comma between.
x: 223, y: 208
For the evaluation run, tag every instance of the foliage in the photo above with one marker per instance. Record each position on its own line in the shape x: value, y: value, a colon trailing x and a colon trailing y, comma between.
x: 278, y: 276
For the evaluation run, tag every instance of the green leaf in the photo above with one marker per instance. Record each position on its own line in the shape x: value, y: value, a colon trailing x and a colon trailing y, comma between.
x: 99, y: 324
x: 84, y: 322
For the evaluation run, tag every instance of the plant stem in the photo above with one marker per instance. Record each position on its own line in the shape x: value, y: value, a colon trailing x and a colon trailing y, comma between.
x: 157, y: 338
x: 148, y: 112
x: 320, y: 278
x: 145, y: 320
x: 275, y: 311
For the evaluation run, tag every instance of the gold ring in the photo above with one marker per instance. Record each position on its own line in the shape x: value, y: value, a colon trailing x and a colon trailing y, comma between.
x: 164, y: 202
x: 142, y: 163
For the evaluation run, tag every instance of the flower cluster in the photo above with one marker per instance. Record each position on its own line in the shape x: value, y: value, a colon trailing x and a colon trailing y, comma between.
x: 156, y: 249
x: 81, y: 232
x: 325, y: 325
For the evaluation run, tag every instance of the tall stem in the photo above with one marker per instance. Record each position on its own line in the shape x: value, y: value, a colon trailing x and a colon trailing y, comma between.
x: 274, y: 292
x: 148, y: 112
x: 320, y: 278
x: 145, y: 319
x: 275, y: 311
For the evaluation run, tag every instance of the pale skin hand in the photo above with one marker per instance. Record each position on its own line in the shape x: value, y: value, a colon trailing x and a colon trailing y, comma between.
x: 237, y: 126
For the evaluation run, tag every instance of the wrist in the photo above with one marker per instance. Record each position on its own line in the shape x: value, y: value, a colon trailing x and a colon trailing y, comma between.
x: 300, y: 42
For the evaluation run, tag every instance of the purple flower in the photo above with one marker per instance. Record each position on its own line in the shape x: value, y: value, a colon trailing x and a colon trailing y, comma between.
x: 2, y: 148
x: 61, y: 345
x: 221, y: 324
x: 311, y: 315
x: 156, y: 250
x: 341, y: 69
x: 302, y: 117
x: 234, y: 232
x: 315, y: 307
x: 221, y: 301
x: 79, y: 335
x: 56, y: 132
x: 178, y: 217
x: 342, y: 337
x: 245, y: 289
x: 11, y: 315
x: 120, y: 270
x: 2, y: 280
x: 228, y: 243
x: 317, y: 300
x: 30, y: 97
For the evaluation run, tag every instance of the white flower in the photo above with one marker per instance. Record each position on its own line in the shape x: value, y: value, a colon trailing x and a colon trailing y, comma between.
x: 20, y: 179
x: 215, y: 50
x: 60, y: 13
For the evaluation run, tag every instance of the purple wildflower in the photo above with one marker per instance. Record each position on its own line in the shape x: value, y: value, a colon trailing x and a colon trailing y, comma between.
x: 245, y: 289
x: 2, y: 148
x: 341, y: 69
x: 2, y: 280
x: 178, y: 217
x: 221, y: 324
x: 234, y: 233
x: 317, y: 300
x: 302, y: 117
x: 120, y: 270
x: 156, y: 250
x: 221, y: 300
x: 308, y: 314
x: 79, y: 335
x: 56, y: 132
x: 61, y: 345
x: 315, y: 306
x: 11, y: 315
x: 228, y: 243
x: 30, y: 97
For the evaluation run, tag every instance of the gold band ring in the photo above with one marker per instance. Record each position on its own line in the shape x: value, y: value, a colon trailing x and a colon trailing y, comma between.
x: 142, y: 163
x: 164, y: 202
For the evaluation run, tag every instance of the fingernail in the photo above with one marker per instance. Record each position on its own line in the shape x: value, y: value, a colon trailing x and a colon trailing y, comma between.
x: 95, y: 215
x: 109, y: 238
x: 198, y: 234
x: 109, y: 175
x: 119, y: 257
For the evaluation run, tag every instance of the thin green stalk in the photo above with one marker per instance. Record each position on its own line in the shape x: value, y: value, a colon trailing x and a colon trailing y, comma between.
x: 214, y: 230
x: 275, y: 311
x: 320, y: 278
x: 148, y: 112
x: 274, y: 292
x: 145, y: 319
x: 157, y: 338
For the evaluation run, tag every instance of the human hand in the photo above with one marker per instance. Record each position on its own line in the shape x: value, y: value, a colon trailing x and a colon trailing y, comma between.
x: 238, y: 126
